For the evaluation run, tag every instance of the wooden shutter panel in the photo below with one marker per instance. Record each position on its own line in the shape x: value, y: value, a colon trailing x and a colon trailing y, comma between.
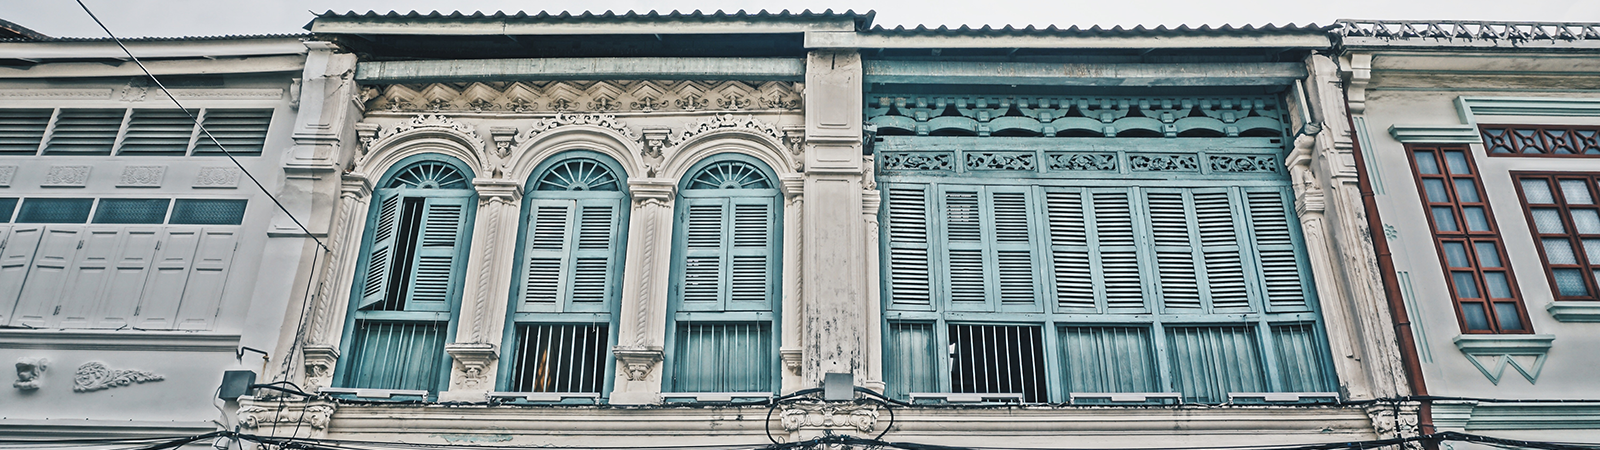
x: 130, y: 268
x: 380, y: 255
x: 1219, y: 243
x: 203, y: 294
x: 47, y: 277
x: 1011, y: 214
x: 1281, y: 268
x: 434, y: 272
x: 909, y: 277
x: 169, y: 274
x: 15, y: 258
x: 703, y: 249
x: 1175, y: 265
x: 594, y: 255
x: 963, y: 242
x: 545, y: 251
x: 1209, y: 362
x: 750, y: 275
x: 1118, y: 252
x: 1069, y: 247
x: 82, y: 296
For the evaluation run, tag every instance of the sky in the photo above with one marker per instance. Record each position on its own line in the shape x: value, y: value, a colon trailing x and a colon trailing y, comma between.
x: 130, y: 18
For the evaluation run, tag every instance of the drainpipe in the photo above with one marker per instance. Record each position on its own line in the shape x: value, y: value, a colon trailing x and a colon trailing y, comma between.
x: 1391, y: 286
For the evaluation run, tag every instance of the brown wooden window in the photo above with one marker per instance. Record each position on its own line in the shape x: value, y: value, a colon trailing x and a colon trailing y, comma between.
x: 1563, y: 212
x: 1541, y: 140
x: 1469, y: 245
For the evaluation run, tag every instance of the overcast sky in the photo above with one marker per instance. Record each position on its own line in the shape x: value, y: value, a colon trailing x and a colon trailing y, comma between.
x: 221, y: 17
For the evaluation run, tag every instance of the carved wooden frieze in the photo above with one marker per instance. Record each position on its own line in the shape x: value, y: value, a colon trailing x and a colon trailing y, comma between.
x: 586, y: 96
x: 94, y: 376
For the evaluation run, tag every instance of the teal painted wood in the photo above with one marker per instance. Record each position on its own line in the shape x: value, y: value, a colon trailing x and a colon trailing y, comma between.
x: 912, y: 359
x: 566, y: 293
x: 1108, y: 359
x: 724, y: 297
x: 1300, y: 358
x: 413, y: 261
x: 1209, y: 362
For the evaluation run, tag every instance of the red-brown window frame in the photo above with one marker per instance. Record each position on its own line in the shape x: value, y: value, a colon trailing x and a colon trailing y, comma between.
x: 1571, y: 234
x: 1468, y: 238
x: 1545, y: 142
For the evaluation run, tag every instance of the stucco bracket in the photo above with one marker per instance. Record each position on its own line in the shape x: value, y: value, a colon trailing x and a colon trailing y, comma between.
x: 474, y: 359
x: 256, y: 414
x: 829, y: 415
x: 319, y: 363
x: 638, y: 361
x: 1492, y: 353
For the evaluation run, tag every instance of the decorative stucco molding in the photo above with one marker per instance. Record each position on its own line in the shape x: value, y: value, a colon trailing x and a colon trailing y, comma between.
x: 142, y: 176
x: 1435, y: 134
x: 1574, y: 311
x: 6, y: 174
x: 606, y: 121
x: 314, y: 414
x: 638, y: 362
x: 587, y: 96
x: 791, y: 359
x: 94, y: 376
x: 319, y: 363
x: 722, y: 122
x: 1390, y: 421
x: 229, y: 94
x: 217, y: 178
x: 66, y: 176
x: 28, y: 372
x: 474, y: 360
x: 1469, y: 108
x: 816, y: 414
x: 55, y: 94
x: 1491, y: 353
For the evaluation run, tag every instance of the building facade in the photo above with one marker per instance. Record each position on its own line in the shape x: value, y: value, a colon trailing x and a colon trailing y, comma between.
x: 1478, y: 140
x: 140, y: 261
x: 642, y: 227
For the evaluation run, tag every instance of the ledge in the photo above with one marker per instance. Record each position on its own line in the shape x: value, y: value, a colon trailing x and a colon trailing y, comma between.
x: 1471, y: 416
x: 1435, y: 134
x: 170, y: 341
x: 86, y: 428
x: 1504, y: 344
x: 1575, y: 311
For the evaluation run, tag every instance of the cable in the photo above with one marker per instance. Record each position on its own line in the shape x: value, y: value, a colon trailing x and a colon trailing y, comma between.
x: 202, y: 127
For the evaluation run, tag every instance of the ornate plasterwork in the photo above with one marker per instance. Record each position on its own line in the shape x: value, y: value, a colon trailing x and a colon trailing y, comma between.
x: 1491, y: 353
x: 474, y: 360
x: 427, y: 121
x: 94, y: 376
x: 67, y: 176
x: 315, y: 414
x: 586, y: 96
x: 637, y: 362
x: 142, y: 176
x: 28, y: 372
x: 217, y: 178
x: 606, y: 121
x: 6, y: 174
x: 861, y: 417
x: 724, y: 122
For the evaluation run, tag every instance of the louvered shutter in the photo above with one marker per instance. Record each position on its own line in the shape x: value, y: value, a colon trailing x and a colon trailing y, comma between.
x: 703, y: 222
x: 1093, y: 250
x: 965, y: 271
x: 1221, y: 249
x: 157, y: 132
x: 129, y: 269
x: 435, y: 270
x: 1069, y: 251
x: 203, y: 293
x: 1281, y: 268
x: 594, y: 255
x: 1175, y: 266
x: 47, y: 277
x: 242, y: 131
x: 908, y: 231
x: 545, y: 253
x: 1118, y: 251
x: 380, y: 254
x: 750, y: 274
x: 21, y: 130
x: 82, y: 295
x: 85, y: 132
x: 168, y: 276
x: 15, y: 258
x: 1010, y: 212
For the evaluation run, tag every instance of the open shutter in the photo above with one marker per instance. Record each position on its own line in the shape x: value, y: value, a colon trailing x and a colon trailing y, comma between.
x: 750, y: 280
x: 909, y: 278
x: 1275, y: 250
x: 82, y: 296
x: 47, y: 276
x: 594, y: 255
x: 210, y: 274
x: 130, y: 268
x: 704, y: 242
x: 1069, y: 251
x: 1175, y: 265
x: 16, y: 254
x: 169, y: 275
x: 435, y: 272
x: 1219, y: 242
x: 545, y: 250
x: 381, y: 253
x: 1011, y: 213
x: 963, y: 239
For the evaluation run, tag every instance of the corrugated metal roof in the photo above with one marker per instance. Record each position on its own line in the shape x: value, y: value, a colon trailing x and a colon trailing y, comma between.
x: 1181, y: 30
x: 862, y: 20
x: 12, y: 31
x: 1468, y: 31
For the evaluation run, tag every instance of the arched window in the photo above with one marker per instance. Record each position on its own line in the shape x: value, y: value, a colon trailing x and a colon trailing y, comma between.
x: 569, y: 277
x: 725, y: 274
x: 408, y: 287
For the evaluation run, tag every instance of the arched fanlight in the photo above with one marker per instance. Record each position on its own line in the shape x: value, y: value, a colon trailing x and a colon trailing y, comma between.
x: 730, y: 175
x: 578, y: 174
x: 429, y: 175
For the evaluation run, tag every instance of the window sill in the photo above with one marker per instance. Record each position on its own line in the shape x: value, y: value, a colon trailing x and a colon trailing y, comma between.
x: 1492, y: 353
x: 1575, y: 311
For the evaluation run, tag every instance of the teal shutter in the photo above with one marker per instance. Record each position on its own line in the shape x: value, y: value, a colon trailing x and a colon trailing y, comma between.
x: 1197, y: 236
x: 908, y: 229
x: 965, y: 272
x: 1074, y: 277
x: 437, y: 275
x: 704, y: 250
x: 1174, y: 251
x: 571, y: 253
x: 1281, y: 267
x: 751, y: 273
x: 1093, y: 250
x: 545, y: 248
x: 1219, y: 242
x: 1012, y: 214
x: 380, y: 255
x: 595, y: 255
x: 1209, y: 362
x: 1108, y: 359
x: 989, y: 250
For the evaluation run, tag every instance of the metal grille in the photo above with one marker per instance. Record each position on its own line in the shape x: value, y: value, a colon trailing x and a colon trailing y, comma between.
x: 55, y: 210
x: 396, y: 355
x: 559, y: 358
x: 996, y: 359
x: 723, y: 357
x: 7, y: 206
x: 22, y: 129
x: 208, y: 212
x: 128, y: 210
x: 912, y: 359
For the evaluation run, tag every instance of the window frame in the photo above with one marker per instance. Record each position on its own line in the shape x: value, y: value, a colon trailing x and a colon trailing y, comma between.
x: 1572, y: 235
x: 1466, y: 236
